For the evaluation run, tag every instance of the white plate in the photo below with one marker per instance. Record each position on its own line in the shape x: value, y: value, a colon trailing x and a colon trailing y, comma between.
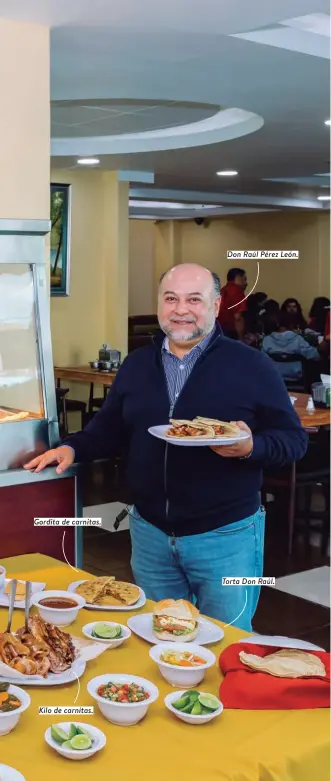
x: 4, y: 598
x: 142, y: 626
x: 160, y: 431
x: 281, y: 642
x: 141, y: 601
x: 68, y: 676
x: 10, y: 774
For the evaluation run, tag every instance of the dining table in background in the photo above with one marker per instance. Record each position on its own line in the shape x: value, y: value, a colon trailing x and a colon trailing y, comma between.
x: 315, y: 419
x: 246, y: 745
x: 85, y: 374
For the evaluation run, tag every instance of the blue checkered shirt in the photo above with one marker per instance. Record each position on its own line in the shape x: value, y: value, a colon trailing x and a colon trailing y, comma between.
x: 178, y: 370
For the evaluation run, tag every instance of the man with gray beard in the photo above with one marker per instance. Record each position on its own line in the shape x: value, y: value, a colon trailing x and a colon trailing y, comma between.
x: 196, y: 516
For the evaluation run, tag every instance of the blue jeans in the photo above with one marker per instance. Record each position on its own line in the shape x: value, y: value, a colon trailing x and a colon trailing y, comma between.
x: 192, y: 567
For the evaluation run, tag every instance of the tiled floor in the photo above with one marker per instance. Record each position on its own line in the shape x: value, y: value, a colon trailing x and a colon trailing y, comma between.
x: 312, y: 584
x: 277, y: 613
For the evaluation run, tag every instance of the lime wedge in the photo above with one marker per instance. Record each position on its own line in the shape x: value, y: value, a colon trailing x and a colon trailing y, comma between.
x: 67, y: 744
x: 72, y: 732
x: 81, y: 742
x: 58, y: 734
x: 193, y: 695
x: 197, y: 709
x: 106, y: 632
x: 209, y: 701
x: 82, y: 731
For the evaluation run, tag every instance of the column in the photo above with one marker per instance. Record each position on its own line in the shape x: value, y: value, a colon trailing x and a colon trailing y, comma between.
x: 167, y: 251
x: 24, y: 121
x: 115, y: 295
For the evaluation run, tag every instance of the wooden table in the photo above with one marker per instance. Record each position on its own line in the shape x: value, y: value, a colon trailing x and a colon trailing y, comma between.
x: 85, y: 374
x: 250, y: 745
x: 321, y: 417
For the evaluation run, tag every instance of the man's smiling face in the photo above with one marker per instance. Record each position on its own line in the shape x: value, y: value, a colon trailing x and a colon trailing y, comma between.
x: 187, y: 303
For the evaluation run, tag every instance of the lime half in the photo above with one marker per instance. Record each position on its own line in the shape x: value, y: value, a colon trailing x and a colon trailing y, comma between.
x: 81, y: 742
x: 106, y: 631
x: 209, y: 701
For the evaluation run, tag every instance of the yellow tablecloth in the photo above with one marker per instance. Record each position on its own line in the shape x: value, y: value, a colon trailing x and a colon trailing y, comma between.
x: 237, y: 746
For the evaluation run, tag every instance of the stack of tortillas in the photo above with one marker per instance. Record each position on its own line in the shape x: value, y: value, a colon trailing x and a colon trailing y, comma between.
x: 288, y: 663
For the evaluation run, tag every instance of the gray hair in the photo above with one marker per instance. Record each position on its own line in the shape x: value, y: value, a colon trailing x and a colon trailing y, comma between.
x: 216, y: 281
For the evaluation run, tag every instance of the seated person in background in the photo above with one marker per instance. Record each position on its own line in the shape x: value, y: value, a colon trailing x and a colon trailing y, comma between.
x: 281, y: 337
x: 292, y: 306
x: 232, y: 300
x: 248, y: 328
x: 255, y: 302
x: 270, y: 310
x: 318, y: 314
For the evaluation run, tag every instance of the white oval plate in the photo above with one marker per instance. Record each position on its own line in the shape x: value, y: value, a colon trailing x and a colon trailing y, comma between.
x: 281, y: 642
x: 160, y: 433
x: 208, y: 631
x: 10, y: 774
x: 128, y: 608
x: 68, y: 676
x: 20, y: 603
x: 114, y: 643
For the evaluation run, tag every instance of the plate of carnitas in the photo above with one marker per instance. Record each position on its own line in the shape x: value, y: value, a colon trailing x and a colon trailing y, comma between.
x: 175, y: 620
x: 40, y: 653
x: 107, y: 593
x: 200, y: 432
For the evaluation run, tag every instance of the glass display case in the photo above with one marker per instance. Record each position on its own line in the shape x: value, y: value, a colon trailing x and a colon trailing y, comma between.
x: 27, y: 392
x: 21, y: 395
x: 28, y: 413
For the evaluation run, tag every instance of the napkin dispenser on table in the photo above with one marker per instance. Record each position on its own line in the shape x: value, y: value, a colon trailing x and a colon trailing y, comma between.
x: 109, y: 360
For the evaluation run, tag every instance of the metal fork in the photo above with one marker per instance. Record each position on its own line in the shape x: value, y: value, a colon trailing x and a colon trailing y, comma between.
x: 28, y: 593
x: 12, y: 596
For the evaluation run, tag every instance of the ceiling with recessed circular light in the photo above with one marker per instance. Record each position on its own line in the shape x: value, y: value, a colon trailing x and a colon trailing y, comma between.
x: 139, y: 86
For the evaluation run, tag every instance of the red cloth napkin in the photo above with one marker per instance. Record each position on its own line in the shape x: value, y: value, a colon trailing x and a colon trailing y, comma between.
x: 247, y: 689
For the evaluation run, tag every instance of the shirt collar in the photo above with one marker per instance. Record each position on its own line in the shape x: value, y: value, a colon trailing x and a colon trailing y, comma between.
x: 200, y: 347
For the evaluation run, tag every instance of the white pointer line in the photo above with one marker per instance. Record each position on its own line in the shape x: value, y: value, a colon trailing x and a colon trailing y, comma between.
x: 63, y: 551
x: 251, y: 291
x: 236, y: 619
x: 78, y: 681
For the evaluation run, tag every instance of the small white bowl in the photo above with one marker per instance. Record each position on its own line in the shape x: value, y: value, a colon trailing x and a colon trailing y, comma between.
x: 2, y: 578
x: 121, y: 713
x: 182, y: 676
x: 70, y: 753
x: 54, y: 615
x: 126, y: 633
x: 293, y: 399
x: 189, y: 718
x: 8, y: 721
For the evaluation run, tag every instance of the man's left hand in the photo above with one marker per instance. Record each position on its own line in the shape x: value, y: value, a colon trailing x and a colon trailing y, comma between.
x: 240, y: 449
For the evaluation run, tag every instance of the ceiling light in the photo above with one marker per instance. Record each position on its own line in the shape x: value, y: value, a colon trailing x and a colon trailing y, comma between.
x: 137, y: 204
x: 324, y: 198
x: 327, y: 122
x: 227, y: 173
x: 88, y: 161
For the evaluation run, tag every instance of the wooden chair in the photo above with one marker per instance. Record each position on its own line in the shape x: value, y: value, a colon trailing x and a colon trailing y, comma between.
x: 301, y: 384
x: 313, y: 470
x: 61, y: 404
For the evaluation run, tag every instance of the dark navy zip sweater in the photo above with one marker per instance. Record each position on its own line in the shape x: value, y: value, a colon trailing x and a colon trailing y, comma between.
x: 192, y: 490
